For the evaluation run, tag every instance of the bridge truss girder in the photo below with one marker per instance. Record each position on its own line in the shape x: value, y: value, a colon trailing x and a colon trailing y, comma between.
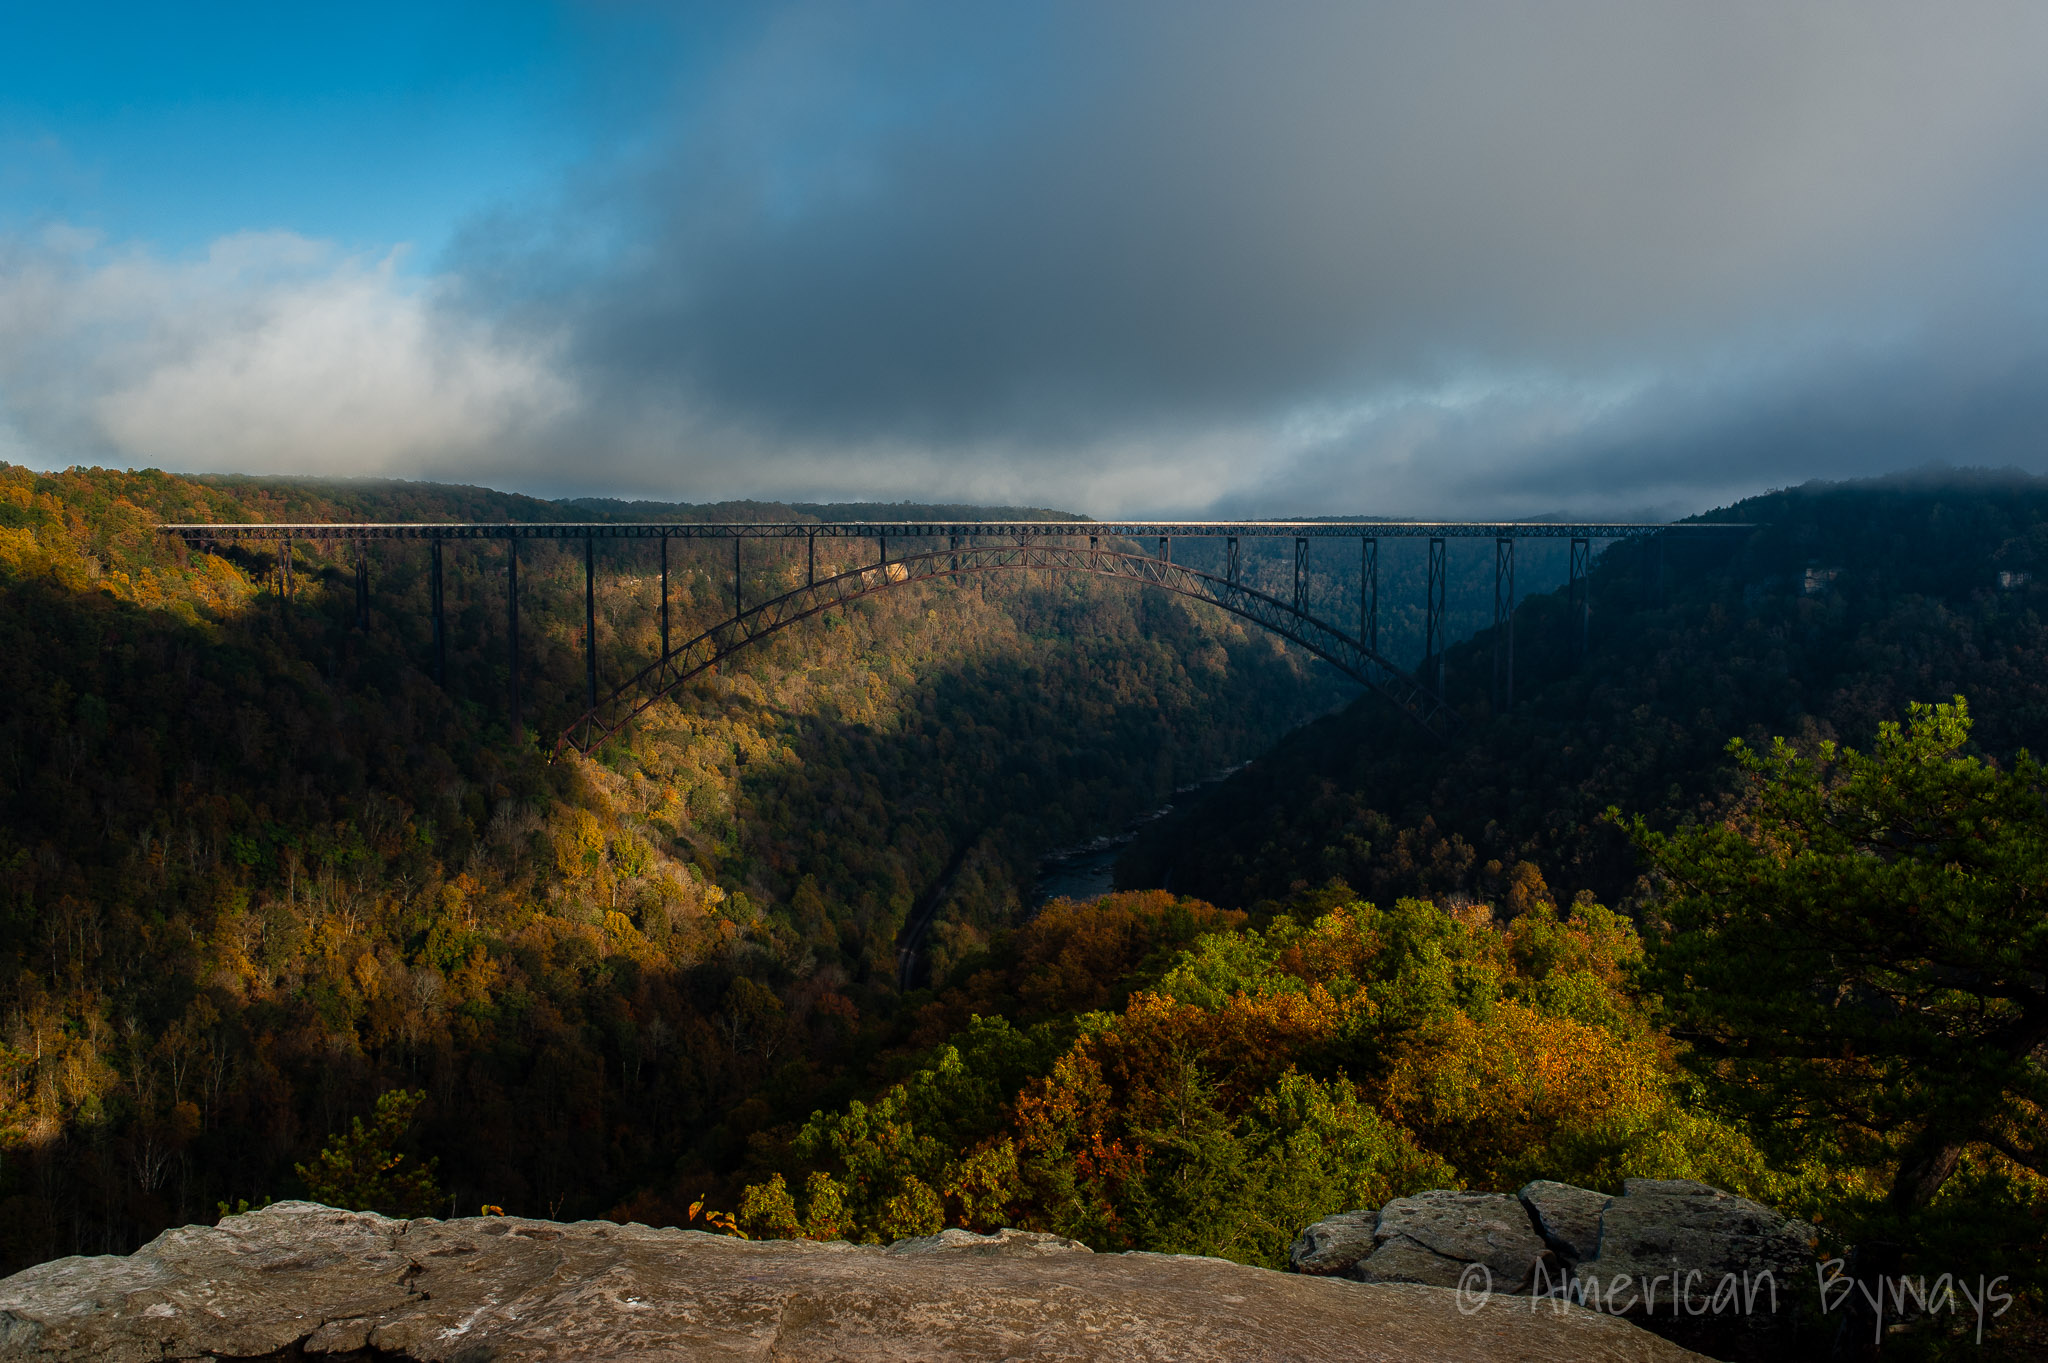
x: 1007, y: 545
x: 660, y: 678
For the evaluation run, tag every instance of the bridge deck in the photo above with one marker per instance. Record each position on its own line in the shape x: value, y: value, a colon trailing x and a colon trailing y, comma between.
x: 731, y: 530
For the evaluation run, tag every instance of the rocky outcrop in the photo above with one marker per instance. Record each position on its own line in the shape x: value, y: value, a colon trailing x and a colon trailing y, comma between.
x: 1438, y: 1237
x: 1716, y: 1272
x: 1659, y: 1223
x: 299, y: 1281
x: 1433, y: 1238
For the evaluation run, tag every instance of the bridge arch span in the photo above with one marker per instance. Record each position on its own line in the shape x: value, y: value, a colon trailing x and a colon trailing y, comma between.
x: 680, y: 664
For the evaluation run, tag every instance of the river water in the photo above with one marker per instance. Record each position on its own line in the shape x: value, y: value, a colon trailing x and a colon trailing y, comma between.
x: 1088, y: 870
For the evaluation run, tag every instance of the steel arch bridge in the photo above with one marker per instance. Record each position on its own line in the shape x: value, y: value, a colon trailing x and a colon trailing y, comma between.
x: 721, y: 641
x: 985, y: 547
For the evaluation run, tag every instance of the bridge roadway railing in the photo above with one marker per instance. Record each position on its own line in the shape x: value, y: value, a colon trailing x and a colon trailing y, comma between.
x: 869, y: 530
x: 997, y: 545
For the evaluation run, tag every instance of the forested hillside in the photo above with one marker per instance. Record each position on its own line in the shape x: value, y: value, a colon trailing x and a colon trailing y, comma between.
x: 278, y: 909
x: 1153, y: 1073
x: 1848, y: 602
x: 256, y: 869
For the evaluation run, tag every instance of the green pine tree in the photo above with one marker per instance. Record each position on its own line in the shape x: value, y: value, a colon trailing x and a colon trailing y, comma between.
x: 1859, y: 954
x: 363, y: 1169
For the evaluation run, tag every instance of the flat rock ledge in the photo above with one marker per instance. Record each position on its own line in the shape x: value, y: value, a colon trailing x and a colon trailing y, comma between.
x: 301, y: 1281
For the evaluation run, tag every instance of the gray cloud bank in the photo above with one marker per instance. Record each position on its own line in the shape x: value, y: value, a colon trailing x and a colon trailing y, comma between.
x: 1493, y: 258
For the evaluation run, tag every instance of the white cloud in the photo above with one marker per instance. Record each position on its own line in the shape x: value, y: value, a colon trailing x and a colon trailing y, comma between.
x: 272, y: 353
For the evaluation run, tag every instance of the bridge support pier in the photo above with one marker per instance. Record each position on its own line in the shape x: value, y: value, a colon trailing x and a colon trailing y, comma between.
x: 512, y: 625
x: 440, y: 623
x: 737, y: 610
x: 363, y: 585
x: 664, y: 596
x: 1433, y: 625
x: 1165, y: 549
x: 590, y: 614
x: 1230, y: 571
x: 1300, y: 571
x: 1368, y: 594
x: 810, y: 560
x: 1579, y: 604
x: 1504, y: 623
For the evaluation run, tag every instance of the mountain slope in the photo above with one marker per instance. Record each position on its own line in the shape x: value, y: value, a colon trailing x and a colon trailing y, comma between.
x: 1849, y: 601
x: 258, y: 868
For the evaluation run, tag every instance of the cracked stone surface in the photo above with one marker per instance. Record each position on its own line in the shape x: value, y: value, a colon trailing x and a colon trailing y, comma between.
x: 300, y: 1281
x: 1567, y: 1218
x: 1688, y: 1261
x: 1333, y: 1244
x: 1659, y: 1225
x: 1435, y: 1238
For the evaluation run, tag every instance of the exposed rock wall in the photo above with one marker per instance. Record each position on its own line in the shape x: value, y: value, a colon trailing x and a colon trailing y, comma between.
x: 297, y: 1281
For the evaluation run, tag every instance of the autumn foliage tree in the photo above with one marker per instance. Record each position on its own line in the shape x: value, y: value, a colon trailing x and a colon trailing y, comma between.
x: 1255, y: 1079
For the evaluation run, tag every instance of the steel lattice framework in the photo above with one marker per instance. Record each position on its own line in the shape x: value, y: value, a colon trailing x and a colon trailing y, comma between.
x: 975, y: 547
x: 721, y: 641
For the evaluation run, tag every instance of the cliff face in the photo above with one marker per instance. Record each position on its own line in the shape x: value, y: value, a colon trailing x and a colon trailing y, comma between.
x: 297, y: 1281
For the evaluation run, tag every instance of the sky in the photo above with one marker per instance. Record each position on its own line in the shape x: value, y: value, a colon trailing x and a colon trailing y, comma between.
x: 1161, y: 257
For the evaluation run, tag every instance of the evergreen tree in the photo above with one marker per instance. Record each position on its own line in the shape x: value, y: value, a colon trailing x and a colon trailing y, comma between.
x: 1859, y: 953
x: 362, y: 1169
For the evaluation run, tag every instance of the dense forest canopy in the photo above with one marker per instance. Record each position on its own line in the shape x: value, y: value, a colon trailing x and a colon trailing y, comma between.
x: 260, y: 869
x: 1217, y: 1097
